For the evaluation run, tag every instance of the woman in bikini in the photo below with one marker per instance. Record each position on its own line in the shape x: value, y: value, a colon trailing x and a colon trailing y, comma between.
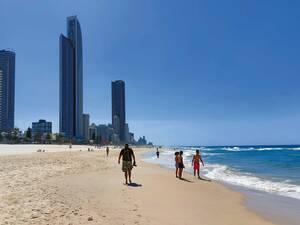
x: 180, y: 164
x: 176, y: 163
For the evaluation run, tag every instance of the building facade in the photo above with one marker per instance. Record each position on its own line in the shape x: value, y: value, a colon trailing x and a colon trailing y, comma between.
x: 7, y: 90
x: 104, y: 134
x: 71, y: 81
x: 93, y: 135
x: 86, y: 124
x: 118, y: 109
x: 42, y: 127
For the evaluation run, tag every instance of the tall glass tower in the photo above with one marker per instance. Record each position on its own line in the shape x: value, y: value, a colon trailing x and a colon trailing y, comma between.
x: 118, y: 108
x: 7, y: 90
x: 71, y: 81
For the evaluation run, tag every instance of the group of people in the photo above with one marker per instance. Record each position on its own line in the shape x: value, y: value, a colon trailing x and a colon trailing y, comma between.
x: 128, y: 161
x: 180, y: 166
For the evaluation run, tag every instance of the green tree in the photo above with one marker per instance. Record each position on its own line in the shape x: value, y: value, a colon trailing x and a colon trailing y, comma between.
x: 37, y: 138
x: 48, y: 138
x: 29, y: 133
x: 60, y: 139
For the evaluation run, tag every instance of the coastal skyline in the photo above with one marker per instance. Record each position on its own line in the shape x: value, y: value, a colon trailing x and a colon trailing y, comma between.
x: 212, y: 83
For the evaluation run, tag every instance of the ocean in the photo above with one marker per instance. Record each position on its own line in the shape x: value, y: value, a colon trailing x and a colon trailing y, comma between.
x: 270, y: 169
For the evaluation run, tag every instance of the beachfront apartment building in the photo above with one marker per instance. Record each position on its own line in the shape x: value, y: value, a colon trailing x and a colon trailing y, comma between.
x: 118, y: 109
x: 71, y: 81
x: 7, y: 90
x: 40, y: 128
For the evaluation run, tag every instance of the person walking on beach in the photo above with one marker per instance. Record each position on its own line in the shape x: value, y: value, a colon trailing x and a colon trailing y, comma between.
x: 180, y: 164
x: 196, y: 163
x: 176, y: 163
x: 107, y: 151
x: 157, y: 153
x: 127, y: 155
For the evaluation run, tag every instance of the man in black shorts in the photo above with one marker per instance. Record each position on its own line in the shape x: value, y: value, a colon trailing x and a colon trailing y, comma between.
x: 127, y: 155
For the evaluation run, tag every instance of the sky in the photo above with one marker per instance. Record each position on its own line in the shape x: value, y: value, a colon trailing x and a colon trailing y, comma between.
x: 197, y: 72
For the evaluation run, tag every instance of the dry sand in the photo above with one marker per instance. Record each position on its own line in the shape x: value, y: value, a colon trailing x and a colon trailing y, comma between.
x: 87, y: 188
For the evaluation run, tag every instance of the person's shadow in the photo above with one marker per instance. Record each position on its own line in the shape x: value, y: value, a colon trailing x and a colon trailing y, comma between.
x: 204, y: 179
x: 186, y: 180
x: 134, y: 185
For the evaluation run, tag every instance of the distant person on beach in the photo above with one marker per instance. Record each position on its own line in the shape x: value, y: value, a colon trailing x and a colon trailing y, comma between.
x: 180, y: 164
x: 107, y: 151
x: 157, y: 153
x: 127, y: 155
x: 176, y: 163
x: 196, y: 163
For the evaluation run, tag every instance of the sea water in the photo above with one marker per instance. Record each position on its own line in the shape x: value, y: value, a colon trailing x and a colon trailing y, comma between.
x: 271, y: 169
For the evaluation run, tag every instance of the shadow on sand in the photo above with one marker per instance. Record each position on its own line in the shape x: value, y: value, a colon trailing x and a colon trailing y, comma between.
x: 134, y: 185
x: 186, y: 180
x: 204, y: 179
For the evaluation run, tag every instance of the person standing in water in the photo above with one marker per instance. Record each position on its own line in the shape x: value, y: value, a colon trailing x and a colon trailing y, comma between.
x: 127, y: 155
x: 196, y: 163
x: 180, y: 164
x: 107, y: 151
x: 157, y: 153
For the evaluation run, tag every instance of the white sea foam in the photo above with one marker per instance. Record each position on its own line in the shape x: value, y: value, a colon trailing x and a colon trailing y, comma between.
x: 240, y: 149
x: 233, y: 149
x: 225, y: 174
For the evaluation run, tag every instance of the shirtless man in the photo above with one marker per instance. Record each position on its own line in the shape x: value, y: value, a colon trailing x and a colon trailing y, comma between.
x: 196, y: 163
x: 127, y: 155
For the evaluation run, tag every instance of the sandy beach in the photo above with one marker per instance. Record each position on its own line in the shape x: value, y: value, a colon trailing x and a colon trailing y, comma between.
x: 81, y: 187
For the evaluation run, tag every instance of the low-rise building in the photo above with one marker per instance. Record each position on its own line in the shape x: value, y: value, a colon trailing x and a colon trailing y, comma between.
x: 93, y: 132
x: 42, y: 127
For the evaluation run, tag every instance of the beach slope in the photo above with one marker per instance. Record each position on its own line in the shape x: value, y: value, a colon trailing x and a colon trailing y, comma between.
x: 87, y: 188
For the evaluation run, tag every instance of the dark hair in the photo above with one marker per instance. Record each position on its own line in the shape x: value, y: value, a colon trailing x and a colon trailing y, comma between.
x: 197, y: 151
x: 176, y: 153
x: 181, y: 152
x: 126, y: 145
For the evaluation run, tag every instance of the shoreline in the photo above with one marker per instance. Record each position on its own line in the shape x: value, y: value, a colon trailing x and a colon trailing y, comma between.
x: 278, y: 209
x: 80, y: 187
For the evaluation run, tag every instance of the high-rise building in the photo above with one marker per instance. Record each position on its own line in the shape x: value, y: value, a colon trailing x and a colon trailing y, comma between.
x: 41, y: 127
x: 127, y: 136
x: 86, y: 124
x: 7, y: 90
x: 71, y: 81
x: 118, y: 108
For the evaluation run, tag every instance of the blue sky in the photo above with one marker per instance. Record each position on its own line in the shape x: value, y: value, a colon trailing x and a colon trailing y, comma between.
x: 196, y: 72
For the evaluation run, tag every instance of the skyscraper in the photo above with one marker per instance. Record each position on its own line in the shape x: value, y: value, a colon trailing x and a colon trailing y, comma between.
x: 7, y: 90
x: 71, y: 81
x: 86, y: 124
x: 118, y: 108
